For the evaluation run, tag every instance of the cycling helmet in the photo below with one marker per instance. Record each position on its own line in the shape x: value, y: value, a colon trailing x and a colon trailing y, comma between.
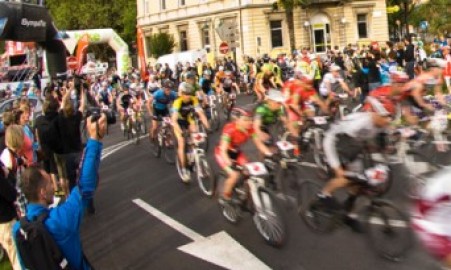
x: 186, y: 88
x: 398, y: 77
x: 168, y: 84
x: 383, y: 106
x: 190, y: 75
x: 221, y: 68
x: 242, y: 111
x: 335, y: 68
x: 275, y: 95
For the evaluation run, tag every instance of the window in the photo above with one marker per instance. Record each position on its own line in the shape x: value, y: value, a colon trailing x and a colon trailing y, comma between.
x: 362, y: 25
x: 205, y: 37
x: 276, y: 34
x: 163, y: 4
x: 183, y: 41
x: 182, y: 2
x: 148, y: 38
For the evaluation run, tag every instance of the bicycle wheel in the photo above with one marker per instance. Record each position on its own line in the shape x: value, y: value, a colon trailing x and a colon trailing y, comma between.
x: 156, y: 144
x: 316, y: 216
x: 215, y: 120
x: 168, y: 146
x: 138, y: 127
x: 268, y: 218
x: 388, y: 230
x: 418, y: 167
x: 205, y: 177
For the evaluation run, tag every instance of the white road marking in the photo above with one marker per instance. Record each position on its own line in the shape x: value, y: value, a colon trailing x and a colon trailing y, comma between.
x: 114, y: 148
x: 220, y: 249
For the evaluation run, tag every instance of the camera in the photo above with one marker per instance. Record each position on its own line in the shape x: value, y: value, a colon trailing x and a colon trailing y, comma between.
x: 95, y: 113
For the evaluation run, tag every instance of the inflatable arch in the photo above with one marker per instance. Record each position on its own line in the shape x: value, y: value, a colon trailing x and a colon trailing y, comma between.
x: 98, y: 36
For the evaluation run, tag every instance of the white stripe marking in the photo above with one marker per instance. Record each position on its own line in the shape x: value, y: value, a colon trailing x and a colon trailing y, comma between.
x: 113, y: 149
x: 169, y: 221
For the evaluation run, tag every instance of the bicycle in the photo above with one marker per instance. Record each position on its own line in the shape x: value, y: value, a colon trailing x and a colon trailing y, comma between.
x: 382, y: 220
x: 164, y: 141
x: 252, y: 195
x: 128, y: 123
x: 231, y: 100
x: 215, y: 121
x: 196, y: 161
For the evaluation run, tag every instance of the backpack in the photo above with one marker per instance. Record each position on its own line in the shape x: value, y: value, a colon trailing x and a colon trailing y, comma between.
x: 37, y: 248
x: 49, y: 135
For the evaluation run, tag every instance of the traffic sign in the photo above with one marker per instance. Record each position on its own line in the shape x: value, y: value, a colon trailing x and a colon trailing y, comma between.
x: 72, y: 62
x: 224, y: 48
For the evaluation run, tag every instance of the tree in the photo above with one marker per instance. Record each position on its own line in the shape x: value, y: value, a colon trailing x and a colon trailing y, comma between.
x: 161, y: 44
x: 406, y: 7
x: 289, y: 6
x: 436, y: 13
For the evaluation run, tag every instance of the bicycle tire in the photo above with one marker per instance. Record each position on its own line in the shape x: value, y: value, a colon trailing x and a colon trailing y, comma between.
x: 381, y: 225
x: 316, y: 216
x: 205, y: 177
x: 156, y: 146
x: 269, y: 220
x: 169, y: 147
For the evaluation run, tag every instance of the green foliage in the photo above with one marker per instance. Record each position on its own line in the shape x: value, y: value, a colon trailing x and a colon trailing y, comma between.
x: 436, y: 13
x: 2, y: 46
x: 161, y: 44
x: 77, y: 15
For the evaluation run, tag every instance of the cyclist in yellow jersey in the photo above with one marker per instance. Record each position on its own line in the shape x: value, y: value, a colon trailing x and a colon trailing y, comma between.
x: 183, y: 110
x: 264, y: 81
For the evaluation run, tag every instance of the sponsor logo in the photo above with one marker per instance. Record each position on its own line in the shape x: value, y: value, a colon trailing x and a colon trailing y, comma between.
x: 27, y: 23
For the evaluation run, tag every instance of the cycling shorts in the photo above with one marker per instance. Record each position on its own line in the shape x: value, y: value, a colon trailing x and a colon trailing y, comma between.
x: 235, y: 156
x: 159, y: 114
x: 437, y: 245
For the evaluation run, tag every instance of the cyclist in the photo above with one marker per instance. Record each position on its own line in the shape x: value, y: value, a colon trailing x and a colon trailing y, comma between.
x: 183, y: 110
x: 431, y: 216
x: 161, y: 100
x: 218, y: 76
x: 124, y: 101
x: 264, y: 81
x: 343, y: 143
x: 206, y: 83
x: 228, y: 85
x: 228, y: 153
x: 414, y: 91
x: 267, y: 114
x: 104, y: 95
x: 331, y: 80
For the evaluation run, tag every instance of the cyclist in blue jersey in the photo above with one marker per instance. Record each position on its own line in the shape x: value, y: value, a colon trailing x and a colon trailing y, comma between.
x: 161, y: 100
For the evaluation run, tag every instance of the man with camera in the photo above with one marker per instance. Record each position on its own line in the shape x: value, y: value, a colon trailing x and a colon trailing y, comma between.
x: 63, y: 222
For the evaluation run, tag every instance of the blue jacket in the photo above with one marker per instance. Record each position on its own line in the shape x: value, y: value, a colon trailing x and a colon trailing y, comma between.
x: 64, y: 221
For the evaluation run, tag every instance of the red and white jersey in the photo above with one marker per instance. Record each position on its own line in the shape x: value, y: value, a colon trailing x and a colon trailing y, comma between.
x: 432, y: 212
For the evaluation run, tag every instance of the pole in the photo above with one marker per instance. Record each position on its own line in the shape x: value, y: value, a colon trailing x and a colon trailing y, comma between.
x: 406, y: 6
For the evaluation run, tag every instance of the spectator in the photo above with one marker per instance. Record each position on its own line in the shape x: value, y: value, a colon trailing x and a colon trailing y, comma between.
x: 374, y: 75
x: 68, y: 125
x: 400, y: 54
x: 63, y: 222
x: 8, y: 215
x: 409, y: 57
x: 43, y: 125
x: 447, y: 71
x: 30, y: 146
x: 13, y: 162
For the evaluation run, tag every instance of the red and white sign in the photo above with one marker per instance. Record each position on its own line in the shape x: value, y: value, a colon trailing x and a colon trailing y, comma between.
x: 72, y: 63
x: 224, y: 48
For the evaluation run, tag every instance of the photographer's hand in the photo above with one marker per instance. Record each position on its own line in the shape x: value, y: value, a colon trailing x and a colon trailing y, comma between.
x: 96, y: 129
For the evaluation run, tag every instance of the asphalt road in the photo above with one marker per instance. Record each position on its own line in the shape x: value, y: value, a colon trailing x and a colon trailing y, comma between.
x: 122, y: 235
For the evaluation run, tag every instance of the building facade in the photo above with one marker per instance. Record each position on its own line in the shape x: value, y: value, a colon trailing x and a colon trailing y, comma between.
x: 260, y: 28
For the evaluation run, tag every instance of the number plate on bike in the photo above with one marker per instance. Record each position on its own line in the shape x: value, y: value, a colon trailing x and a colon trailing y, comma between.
x: 256, y: 168
x: 285, y: 146
x: 320, y: 120
x: 343, y: 95
x: 198, y: 137
x: 130, y: 111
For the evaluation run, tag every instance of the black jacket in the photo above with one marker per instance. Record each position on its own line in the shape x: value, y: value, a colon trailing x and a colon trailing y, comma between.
x: 8, y: 195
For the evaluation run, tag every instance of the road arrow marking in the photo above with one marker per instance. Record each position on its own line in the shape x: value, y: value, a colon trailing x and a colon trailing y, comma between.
x: 219, y: 249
